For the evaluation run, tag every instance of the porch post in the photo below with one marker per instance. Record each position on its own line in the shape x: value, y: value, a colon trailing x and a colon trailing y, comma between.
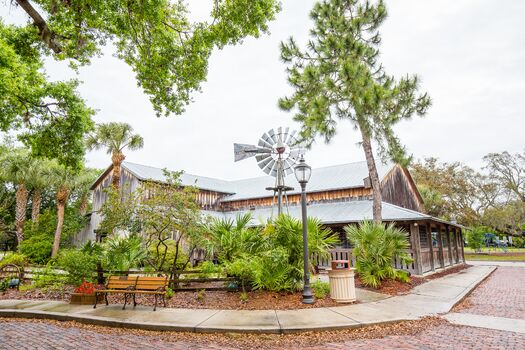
x: 416, y: 248
x: 462, y: 244
x: 429, y: 235
x: 450, y: 258
x: 440, y: 246
x: 456, y: 244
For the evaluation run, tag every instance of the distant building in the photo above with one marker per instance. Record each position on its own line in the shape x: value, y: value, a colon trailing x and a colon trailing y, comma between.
x: 337, y: 195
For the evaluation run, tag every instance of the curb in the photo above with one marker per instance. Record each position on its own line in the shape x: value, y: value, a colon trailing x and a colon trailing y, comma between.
x: 197, y: 328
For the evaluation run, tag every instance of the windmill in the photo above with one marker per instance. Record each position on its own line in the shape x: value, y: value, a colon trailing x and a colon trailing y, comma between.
x: 276, y: 153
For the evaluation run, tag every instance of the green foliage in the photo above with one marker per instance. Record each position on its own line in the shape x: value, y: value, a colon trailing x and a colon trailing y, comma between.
x: 163, y: 262
x: 476, y: 238
x: 17, y: 259
x: 49, y: 278
x: 37, y: 248
x: 80, y: 266
x: 243, y: 297
x: 518, y: 242
x: 375, y: 247
x: 201, y: 294
x: 123, y: 253
x: 4, y: 284
x: 49, y: 117
x: 114, y: 137
x: 169, y: 293
x: 271, y: 257
x: 321, y: 289
x: 47, y: 223
x: 168, y: 53
x: 339, y: 76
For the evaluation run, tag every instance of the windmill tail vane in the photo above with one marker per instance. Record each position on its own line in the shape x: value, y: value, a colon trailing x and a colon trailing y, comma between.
x: 276, y: 154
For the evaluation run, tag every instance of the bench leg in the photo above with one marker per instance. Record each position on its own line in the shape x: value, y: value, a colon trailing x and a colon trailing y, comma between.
x: 125, y: 301
x: 134, y: 301
x: 106, y: 298
x: 96, y: 299
x: 164, y: 299
x: 155, y: 307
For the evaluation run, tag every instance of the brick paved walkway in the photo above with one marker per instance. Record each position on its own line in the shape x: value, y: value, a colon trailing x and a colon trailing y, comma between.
x: 502, y: 294
x: 491, y: 298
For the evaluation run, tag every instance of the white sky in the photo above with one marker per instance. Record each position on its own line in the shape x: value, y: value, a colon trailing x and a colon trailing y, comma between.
x: 468, y: 53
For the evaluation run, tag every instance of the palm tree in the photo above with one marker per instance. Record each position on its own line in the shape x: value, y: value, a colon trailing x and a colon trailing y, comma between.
x: 115, y: 137
x: 82, y: 186
x: 39, y: 179
x: 16, y: 168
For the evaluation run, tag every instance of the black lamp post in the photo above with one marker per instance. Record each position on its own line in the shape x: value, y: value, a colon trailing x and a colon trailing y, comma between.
x: 302, y: 174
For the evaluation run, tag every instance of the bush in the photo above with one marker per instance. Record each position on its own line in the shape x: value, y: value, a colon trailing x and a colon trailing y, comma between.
x: 321, y: 289
x: 4, y: 284
x: 17, y: 259
x: 37, y: 248
x: 518, y: 242
x: 47, y: 223
x: 123, y: 253
x: 476, y: 238
x: 274, y: 260
x: 79, y: 266
x: 156, y: 258
x: 49, y: 278
x: 375, y: 246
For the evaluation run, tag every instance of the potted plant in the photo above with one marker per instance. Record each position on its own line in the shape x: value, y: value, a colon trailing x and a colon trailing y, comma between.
x: 84, y: 294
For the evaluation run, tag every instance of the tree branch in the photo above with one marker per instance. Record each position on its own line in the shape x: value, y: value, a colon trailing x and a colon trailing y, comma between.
x: 47, y: 36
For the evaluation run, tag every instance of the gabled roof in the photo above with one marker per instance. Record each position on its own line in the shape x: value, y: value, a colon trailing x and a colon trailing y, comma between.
x: 350, y: 175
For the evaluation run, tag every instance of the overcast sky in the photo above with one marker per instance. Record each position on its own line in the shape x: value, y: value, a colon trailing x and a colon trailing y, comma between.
x: 469, y: 55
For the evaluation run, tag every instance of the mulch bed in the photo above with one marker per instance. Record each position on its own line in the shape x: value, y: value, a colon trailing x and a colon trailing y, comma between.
x: 257, y: 300
x: 260, y: 341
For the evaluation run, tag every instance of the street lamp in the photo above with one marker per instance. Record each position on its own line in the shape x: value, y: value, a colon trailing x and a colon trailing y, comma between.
x: 302, y: 174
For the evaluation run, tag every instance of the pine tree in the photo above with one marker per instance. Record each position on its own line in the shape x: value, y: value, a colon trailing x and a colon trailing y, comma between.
x: 338, y: 76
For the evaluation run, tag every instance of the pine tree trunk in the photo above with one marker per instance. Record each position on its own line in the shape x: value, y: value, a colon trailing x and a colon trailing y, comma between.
x: 62, y: 195
x: 117, y: 158
x: 374, y: 178
x: 20, y: 214
x: 37, y: 201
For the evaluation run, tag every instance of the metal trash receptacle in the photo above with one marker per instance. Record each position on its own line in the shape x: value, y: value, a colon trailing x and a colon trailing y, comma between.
x: 342, y: 285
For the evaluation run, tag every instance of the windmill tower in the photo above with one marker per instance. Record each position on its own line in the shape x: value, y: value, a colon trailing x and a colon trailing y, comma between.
x: 276, y: 153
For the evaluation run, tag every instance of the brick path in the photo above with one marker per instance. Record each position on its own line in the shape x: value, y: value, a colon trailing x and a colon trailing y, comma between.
x: 495, y: 297
x: 502, y: 295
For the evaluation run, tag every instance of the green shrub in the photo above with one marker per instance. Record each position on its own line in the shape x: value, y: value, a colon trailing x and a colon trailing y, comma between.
x: 476, y: 238
x: 375, y: 247
x: 17, y: 259
x: 123, y: 253
x: 518, y: 242
x: 4, y: 284
x: 37, y: 248
x: 321, y: 289
x: 49, y: 278
x: 47, y: 223
x: 169, y: 293
x: 79, y: 266
x: 156, y: 257
x: 273, y: 258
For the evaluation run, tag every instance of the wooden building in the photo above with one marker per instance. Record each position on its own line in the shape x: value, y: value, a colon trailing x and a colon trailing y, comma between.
x: 337, y: 195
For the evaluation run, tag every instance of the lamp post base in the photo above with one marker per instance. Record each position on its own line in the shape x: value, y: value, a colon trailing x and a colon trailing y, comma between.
x: 308, y: 297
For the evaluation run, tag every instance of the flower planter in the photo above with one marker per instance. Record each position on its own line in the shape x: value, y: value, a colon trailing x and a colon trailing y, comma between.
x: 82, y: 299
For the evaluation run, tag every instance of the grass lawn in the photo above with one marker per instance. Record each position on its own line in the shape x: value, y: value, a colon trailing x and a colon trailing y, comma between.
x: 494, y: 250
x: 492, y: 257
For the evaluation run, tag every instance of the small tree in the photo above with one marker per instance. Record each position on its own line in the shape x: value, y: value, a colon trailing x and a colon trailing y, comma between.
x: 375, y: 247
x: 476, y: 238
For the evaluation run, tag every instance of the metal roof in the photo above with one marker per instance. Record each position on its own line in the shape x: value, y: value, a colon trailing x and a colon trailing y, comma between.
x: 331, y: 212
x: 144, y: 172
x: 323, y: 179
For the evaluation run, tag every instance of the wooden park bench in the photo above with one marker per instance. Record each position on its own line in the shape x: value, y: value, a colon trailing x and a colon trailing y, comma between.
x: 115, y: 285
x: 151, y: 286
x: 131, y: 286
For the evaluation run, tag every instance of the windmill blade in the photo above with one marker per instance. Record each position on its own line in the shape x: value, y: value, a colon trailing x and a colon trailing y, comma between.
x: 286, y: 135
x: 264, y: 162
x: 243, y: 151
x: 273, y: 136
x: 267, y: 140
x: 269, y: 166
x: 260, y: 157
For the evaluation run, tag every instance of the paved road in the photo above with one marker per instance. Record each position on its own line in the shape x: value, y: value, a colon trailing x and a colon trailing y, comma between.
x: 501, y: 295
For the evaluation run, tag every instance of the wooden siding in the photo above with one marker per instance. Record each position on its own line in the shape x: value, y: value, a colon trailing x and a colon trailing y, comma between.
x: 398, y: 188
x: 313, y: 197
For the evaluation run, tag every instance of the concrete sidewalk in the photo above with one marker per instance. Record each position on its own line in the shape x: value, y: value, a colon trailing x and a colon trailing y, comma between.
x: 434, y: 297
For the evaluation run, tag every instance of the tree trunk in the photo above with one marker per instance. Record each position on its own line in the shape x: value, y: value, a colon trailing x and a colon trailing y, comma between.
x: 20, y: 214
x: 117, y: 158
x: 37, y: 201
x: 83, y: 204
x: 62, y: 195
x: 374, y: 178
